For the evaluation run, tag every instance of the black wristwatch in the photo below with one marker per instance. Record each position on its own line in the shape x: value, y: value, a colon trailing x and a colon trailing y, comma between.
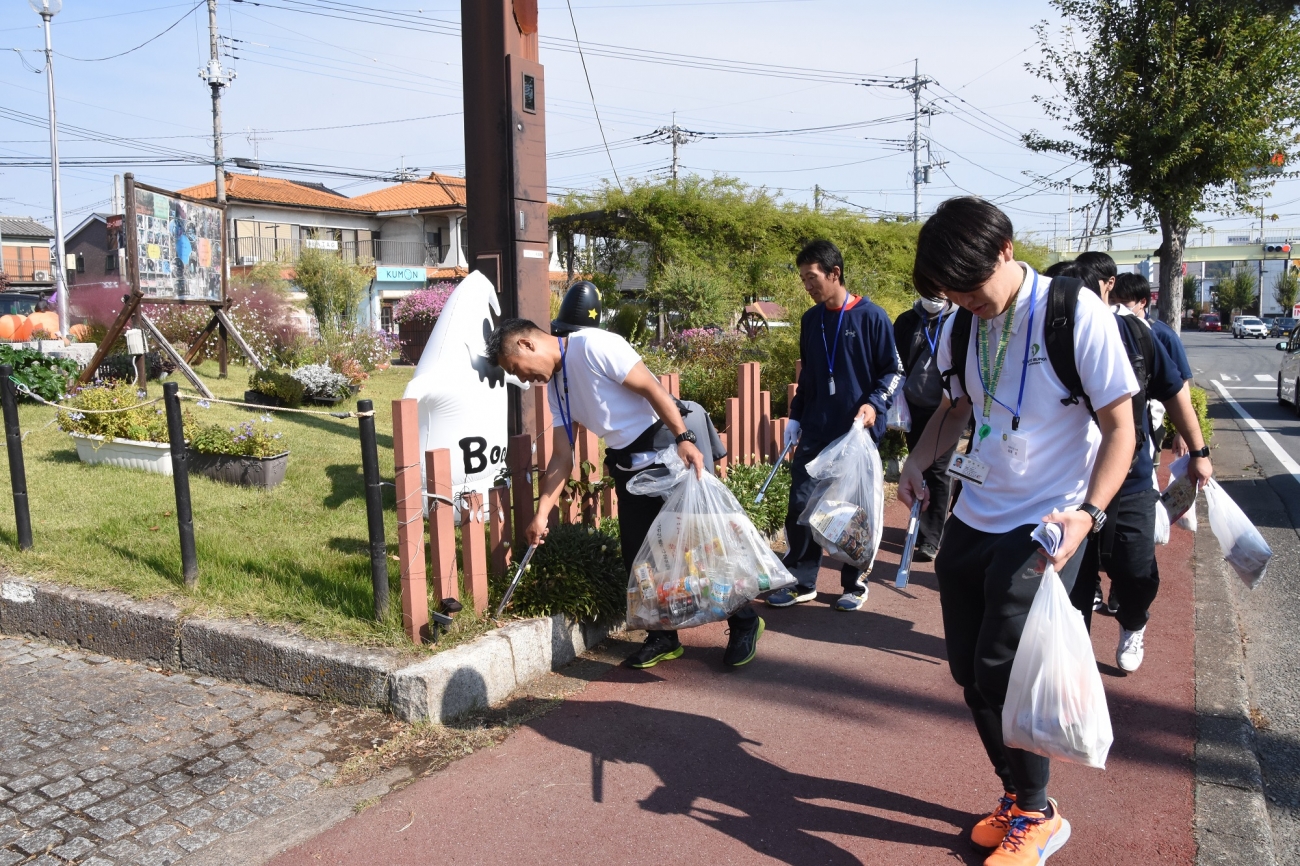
x: 1098, y: 517
x: 688, y: 436
x: 1203, y: 452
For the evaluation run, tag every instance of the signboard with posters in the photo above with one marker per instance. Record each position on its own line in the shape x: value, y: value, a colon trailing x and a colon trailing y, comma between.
x: 174, y: 246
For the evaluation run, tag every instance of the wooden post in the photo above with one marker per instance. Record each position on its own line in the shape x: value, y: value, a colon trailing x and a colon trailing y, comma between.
x: 732, y: 433
x: 519, y: 459
x: 798, y: 370
x: 410, y: 517
x: 790, y: 391
x: 675, y: 385
x: 609, y: 502
x: 765, y: 427
x: 573, y: 511
x: 499, y: 523
x: 778, y: 436
x: 442, y: 523
x: 472, y: 543
x: 756, y: 418
x: 223, y: 351
x: 667, y: 381
x: 589, y: 448
x: 545, y: 444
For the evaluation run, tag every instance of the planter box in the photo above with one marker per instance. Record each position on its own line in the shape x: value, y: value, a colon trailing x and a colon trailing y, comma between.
x: 413, y: 338
x: 125, y: 453
x: 257, y: 398
x: 260, y: 472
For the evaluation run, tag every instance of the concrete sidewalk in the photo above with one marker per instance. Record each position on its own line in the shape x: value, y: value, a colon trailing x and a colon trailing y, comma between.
x: 845, y: 741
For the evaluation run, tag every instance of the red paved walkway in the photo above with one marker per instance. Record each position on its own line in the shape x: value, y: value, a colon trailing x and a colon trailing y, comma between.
x: 845, y: 741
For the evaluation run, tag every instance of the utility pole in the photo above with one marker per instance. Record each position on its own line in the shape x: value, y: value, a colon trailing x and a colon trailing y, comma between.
x: 48, y: 11
x: 1110, y: 228
x: 676, y: 141
x: 1069, y: 212
x: 217, y: 78
x: 916, y: 140
x: 817, y: 198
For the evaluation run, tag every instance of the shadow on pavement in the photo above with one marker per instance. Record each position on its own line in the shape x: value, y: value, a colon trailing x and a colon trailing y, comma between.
x: 707, y: 774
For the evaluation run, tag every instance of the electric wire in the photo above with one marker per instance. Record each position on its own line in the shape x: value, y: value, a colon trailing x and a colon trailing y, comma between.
x: 138, y: 47
x: 592, y: 92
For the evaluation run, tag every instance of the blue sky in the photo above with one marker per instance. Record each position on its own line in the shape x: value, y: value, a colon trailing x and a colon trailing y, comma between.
x: 302, y: 66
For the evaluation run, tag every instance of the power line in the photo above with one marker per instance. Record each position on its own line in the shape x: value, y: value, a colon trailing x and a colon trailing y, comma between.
x: 592, y: 92
x: 138, y: 47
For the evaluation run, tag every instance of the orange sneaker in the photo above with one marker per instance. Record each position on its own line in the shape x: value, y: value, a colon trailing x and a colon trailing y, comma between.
x: 990, y: 831
x: 1030, y: 838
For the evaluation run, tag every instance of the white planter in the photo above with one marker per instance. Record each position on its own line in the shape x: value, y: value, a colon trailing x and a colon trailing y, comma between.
x: 126, y: 453
x: 45, y: 347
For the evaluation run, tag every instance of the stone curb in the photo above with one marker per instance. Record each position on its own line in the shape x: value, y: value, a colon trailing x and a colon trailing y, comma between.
x: 440, y: 688
x: 1231, y: 816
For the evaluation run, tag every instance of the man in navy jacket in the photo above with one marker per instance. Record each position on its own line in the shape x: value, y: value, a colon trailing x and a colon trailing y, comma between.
x: 850, y: 372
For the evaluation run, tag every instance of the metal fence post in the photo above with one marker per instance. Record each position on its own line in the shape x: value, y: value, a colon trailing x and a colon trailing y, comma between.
x: 374, y: 507
x: 17, y: 470
x: 181, y: 481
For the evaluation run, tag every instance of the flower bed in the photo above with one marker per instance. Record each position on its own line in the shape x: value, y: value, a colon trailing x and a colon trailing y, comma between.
x: 416, y: 314
x: 247, y: 454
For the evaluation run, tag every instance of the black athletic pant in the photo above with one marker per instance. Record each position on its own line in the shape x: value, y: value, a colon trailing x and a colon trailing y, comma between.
x: 802, y: 547
x: 936, y: 480
x: 987, y: 582
x: 1127, y: 551
x: 636, y: 514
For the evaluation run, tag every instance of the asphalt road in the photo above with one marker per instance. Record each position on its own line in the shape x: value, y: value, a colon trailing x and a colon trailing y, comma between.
x: 1257, y: 458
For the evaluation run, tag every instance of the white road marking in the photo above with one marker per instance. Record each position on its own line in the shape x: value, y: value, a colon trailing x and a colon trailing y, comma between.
x: 1263, y: 377
x: 1228, y: 377
x: 1285, y: 459
x: 1250, y: 387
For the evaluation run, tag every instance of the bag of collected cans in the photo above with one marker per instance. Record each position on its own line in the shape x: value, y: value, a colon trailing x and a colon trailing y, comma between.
x: 846, y: 510
x: 702, y: 559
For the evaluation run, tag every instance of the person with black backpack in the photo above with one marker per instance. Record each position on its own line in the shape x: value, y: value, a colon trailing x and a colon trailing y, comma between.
x: 1021, y: 356
x: 916, y: 333
x: 1126, y: 548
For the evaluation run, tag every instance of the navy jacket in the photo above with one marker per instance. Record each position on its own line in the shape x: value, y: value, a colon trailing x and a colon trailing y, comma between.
x: 1164, y: 383
x: 867, y: 370
x: 1168, y: 338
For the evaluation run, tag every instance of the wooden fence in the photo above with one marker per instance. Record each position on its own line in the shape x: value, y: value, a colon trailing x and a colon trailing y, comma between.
x: 751, y: 436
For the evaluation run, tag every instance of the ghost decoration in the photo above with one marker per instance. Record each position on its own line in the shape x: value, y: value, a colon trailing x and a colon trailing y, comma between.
x: 461, y: 396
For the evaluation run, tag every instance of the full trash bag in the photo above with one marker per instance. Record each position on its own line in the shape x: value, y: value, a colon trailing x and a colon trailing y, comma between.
x: 1162, y: 524
x: 1179, y: 497
x: 1243, y: 546
x: 846, y: 509
x: 899, y: 416
x: 1055, y: 703
x: 703, y: 558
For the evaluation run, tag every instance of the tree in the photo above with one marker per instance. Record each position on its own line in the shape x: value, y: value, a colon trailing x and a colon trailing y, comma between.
x: 1286, y: 290
x: 1191, y: 293
x: 333, y: 286
x: 1237, y: 292
x: 1186, y: 100
x: 696, y: 297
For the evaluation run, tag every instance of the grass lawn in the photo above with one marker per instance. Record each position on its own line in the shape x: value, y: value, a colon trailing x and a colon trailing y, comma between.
x: 296, y: 555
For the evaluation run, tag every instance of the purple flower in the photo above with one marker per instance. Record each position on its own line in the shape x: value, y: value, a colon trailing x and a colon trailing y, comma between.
x: 423, y: 306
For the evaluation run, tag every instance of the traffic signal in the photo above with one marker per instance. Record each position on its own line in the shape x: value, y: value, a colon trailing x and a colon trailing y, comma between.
x: 1284, y: 247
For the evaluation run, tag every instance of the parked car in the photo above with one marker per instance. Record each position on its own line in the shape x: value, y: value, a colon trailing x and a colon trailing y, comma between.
x: 18, y: 303
x: 1248, y: 326
x: 1282, y: 326
x: 1288, y: 376
x: 1209, y: 322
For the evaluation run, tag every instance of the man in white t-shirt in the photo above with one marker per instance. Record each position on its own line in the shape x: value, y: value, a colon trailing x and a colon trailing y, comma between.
x: 599, y: 381
x: 1037, y: 457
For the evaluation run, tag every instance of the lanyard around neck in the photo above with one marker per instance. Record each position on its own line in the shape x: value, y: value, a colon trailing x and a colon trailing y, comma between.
x: 830, y: 349
x: 933, y: 342
x: 991, y: 385
x: 562, y: 401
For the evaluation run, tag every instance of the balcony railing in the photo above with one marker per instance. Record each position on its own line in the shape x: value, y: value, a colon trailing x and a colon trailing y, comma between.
x: 25, y: 263
x: 252, y: 251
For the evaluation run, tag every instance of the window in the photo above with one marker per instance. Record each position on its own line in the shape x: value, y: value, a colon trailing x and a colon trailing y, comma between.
x: 81, y: 263
x: 386, y: 318
x: 110, y: 263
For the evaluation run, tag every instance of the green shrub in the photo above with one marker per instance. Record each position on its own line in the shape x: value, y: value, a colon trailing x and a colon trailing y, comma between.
x: 281, y: 386
x: 744, y: 482
x: 708, y: 364
x: 142, y: 423
x: 48, y: 378
x: 893, y: 445
x: 577, y: 572
x: 1200, y: 403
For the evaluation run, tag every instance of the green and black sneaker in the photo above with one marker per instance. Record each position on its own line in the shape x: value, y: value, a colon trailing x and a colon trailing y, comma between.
x: 742, y: 643
x: 657, y: 648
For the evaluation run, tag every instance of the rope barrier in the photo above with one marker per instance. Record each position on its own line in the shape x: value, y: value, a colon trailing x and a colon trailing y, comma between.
x: 28, y: 392
x: 210, y: 400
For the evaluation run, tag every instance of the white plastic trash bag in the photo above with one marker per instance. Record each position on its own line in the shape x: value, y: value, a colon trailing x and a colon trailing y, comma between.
x: 1179, y: 498
x: 703, y: 558
x: 899, y: 416
x: 1055, y: 703
x: 1243, y: 546
x: 1162, y: 524
x: 846, y: 510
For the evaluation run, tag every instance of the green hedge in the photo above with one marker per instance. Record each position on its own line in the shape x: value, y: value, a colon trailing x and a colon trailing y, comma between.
x: 577, y: 572
x: 744, y: 482
x: 1200, y: 403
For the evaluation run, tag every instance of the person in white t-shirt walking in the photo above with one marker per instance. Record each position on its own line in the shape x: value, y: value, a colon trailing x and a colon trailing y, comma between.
x: 1036, y: 457
x: 599, y: 381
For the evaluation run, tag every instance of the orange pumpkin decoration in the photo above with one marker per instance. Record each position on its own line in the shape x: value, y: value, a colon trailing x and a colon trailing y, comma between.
x: 47, y: 322
x: 9, y: 326
x: 80, y: 332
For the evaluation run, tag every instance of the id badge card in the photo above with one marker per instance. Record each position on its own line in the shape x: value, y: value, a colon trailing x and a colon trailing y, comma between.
x: 968, y: 467
x: 1016, y: 447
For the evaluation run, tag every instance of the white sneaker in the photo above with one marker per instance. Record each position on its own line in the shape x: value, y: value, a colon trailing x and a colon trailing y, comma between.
x: 1128, y: 655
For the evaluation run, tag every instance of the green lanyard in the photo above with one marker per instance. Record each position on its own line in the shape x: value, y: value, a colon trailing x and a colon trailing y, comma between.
x: 990, y: 377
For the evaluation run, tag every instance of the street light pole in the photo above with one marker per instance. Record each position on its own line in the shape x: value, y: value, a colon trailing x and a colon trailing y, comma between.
x: 47, y: 10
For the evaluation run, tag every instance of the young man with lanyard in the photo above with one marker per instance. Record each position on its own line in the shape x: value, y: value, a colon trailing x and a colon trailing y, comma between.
x: 916, y: 332
x: 1126, y: 548
x: 850, y: 372
x: 597, y: 380
x: 1037, y: 458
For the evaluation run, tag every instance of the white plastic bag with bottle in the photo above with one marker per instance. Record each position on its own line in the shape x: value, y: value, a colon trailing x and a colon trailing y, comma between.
x: 899, y: 416
x: 1243, y: 546
x: 1055, y: 704
x: 703, y: 558
x: 846, y: 509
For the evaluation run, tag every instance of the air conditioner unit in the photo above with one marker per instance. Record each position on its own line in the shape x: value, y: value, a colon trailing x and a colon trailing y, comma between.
x: 41, y: 276
x: 247, y: 261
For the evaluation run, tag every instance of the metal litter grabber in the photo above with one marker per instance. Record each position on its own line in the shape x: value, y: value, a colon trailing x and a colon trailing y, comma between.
x: 909, y: 545
x: 510, y: 591
x: 762, y: 491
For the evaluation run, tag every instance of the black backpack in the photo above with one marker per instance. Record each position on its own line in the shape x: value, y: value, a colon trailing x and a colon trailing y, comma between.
x: 1058, y: 339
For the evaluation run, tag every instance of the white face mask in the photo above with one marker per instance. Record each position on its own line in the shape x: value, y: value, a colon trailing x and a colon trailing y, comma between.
x: 933, y: 306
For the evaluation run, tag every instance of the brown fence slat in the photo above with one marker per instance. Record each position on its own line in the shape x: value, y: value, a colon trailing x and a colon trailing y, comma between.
x: 410, y: 517
x: 442, y: 523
